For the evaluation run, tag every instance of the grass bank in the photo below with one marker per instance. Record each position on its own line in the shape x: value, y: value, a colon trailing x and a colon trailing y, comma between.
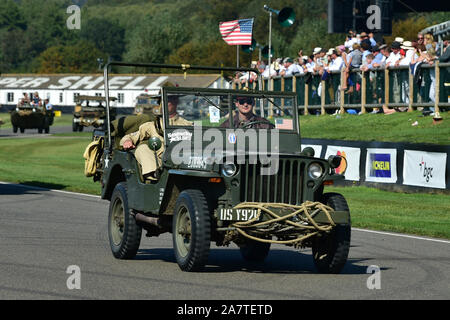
x: 396, y: 127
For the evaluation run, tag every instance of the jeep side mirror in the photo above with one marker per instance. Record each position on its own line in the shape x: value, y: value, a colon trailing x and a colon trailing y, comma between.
x: 154, y: 143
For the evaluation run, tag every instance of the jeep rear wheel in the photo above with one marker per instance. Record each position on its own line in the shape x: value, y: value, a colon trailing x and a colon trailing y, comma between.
x: 124, y: 233
x: 191, y: 230
x: 330, y: 251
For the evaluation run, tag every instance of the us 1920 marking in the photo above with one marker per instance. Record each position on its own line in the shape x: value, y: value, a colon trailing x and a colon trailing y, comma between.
x: 238, y: 214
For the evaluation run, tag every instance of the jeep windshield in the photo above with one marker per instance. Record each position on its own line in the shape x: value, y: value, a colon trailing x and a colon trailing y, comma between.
x: 233, y: 110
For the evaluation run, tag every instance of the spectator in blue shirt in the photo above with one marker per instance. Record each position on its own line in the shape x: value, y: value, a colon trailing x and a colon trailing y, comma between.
x: 378, y: 58
x: 373, y: 43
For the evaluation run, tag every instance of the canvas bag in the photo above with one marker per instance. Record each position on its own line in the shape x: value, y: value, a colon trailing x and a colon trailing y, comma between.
x: 92, y: 156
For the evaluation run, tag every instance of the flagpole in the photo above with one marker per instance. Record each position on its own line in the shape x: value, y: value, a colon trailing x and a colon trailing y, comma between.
x: 237, y: 56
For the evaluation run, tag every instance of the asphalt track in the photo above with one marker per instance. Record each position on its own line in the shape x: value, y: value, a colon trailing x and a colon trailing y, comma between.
x: 44, y: 232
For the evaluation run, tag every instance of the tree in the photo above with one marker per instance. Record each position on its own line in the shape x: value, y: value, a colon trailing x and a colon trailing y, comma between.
x: 407, y: 29
x: 106, y: 35
x: 155, y: 38
x: 79, y: 58
x: 10, y: 16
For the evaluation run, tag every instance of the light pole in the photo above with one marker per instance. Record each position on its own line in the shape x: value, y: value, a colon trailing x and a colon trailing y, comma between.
x: 286, y: 18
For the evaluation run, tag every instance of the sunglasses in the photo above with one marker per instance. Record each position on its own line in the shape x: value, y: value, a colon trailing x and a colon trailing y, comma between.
x: 245, y: 100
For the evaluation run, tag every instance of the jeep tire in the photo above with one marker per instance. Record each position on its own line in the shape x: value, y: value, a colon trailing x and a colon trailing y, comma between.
x: 191, y: 230
x: 330, y: 251
x: 123, y: 231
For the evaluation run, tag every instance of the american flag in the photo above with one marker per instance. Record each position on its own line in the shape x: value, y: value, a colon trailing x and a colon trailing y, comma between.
x: 286, y: 124
x: 237, y: 32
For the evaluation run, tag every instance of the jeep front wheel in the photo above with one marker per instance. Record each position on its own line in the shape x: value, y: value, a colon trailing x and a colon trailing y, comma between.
x: 191, y: 230
x: 124, y: 233
x: 330, y: 250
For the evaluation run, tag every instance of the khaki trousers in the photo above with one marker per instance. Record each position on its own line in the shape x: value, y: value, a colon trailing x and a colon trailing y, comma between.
x: 146, y: 158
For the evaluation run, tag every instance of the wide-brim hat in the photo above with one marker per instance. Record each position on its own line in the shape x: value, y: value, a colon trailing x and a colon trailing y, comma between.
x: 407, y: 45
x: 317, y: 50
x: 399, y: 39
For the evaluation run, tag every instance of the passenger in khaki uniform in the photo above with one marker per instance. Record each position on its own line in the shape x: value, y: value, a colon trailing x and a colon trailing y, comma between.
x: 143, y: 154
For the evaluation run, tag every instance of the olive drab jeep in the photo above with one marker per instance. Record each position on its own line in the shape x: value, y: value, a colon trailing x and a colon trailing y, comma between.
x: 26, y: 116
x: 90, y: 111
x: 225, y: 179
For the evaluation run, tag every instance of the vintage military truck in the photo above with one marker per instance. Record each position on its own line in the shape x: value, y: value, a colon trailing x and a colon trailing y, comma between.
x: 26, y: 116
x: 144, y: 103
x: 246, y: 182
x: 90, y: 111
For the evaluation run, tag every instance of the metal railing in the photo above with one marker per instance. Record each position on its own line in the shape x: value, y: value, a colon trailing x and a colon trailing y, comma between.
x: 392, y: 87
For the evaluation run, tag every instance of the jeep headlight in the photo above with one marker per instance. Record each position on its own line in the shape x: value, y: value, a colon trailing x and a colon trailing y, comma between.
x: 229, y: 169
x: 315, y: 170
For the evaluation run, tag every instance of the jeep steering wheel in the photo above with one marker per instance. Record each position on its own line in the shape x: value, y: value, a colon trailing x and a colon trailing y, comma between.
x: 251, y: 123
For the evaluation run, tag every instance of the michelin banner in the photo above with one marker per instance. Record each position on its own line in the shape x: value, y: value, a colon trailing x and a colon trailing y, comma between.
x: 381, y: 165
x: 350, y: 167
x: 424, y: 169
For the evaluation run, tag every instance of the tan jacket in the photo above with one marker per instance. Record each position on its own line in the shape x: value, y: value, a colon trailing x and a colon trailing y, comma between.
x: 148, y: 130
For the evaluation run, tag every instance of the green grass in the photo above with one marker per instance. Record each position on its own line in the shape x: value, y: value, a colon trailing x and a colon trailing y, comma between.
x: 56, y: 163
x: 422, y: 214
x: 396, y: 127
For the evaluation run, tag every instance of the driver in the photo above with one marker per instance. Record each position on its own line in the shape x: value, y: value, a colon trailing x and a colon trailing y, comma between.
x: 138, y: 139
x: 245, y: 118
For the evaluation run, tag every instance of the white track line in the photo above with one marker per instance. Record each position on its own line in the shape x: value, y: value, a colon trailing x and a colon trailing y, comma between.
x: 355, y: 229
x: 401, y: 235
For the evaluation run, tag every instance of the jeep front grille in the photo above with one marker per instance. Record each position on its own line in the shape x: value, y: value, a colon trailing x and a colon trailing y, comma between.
x: 285, y: 186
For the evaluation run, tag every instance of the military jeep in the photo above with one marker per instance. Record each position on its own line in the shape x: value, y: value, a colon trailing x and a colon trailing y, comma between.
x: 90, y: 111
x: 144, y: 104
x: 26, y: 116
x: 223, y: 181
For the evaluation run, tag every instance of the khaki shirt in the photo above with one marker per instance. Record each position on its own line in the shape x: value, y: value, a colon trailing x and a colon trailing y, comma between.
x: 179, y: 121
x: 148, y: 130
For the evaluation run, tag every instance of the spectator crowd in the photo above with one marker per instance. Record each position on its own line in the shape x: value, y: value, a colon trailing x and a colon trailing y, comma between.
x: 358, y: 52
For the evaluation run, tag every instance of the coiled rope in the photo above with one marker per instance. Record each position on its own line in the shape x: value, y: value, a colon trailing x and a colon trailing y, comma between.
x: 304, y: 213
